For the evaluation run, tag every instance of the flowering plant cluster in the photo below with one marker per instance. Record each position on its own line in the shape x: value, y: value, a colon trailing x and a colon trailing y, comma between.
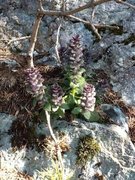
x: 74, y: 94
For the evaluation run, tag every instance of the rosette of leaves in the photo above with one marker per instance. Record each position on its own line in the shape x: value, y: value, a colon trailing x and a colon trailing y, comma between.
x: 34, y: 82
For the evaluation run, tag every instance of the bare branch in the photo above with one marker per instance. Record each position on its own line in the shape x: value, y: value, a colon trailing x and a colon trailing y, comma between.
x: 98, y: 26
x: 93, y: 14
x: 18, y: 39
x: 34, y: 39
x: 50, y: 127
x: 59, y: 155
x: 90, y: 4
x: 88, y: 23
x: 63, y: 7
x: 57, y: 44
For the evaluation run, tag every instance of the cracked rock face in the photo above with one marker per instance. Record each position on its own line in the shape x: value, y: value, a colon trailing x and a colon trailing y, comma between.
x: 125, y: 85
x: 116, y: 159
x: 119, y: 64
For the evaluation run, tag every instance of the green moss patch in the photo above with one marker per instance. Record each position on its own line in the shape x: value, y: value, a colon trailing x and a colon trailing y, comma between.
x: 88, y: 148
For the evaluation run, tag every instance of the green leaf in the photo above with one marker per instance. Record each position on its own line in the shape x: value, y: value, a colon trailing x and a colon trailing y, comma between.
x: 82, y: 70
x: 74, y: 91
x: 76, y: 110
x: 55, y: 108
x: 73, y: 85
x: 42, y: 116
x: 47, y: 107
x: 60, y: 112
x: 65, y: 106
x: 98, y: 100
x: 95, y: 117
x: 81, y: 81
x: 70, y: 101
x: 87, y: 114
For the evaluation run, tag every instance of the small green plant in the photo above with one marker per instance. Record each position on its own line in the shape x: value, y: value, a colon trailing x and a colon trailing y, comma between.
x: 88, y: 148
x: 54, y: 173
x: 74, y: 94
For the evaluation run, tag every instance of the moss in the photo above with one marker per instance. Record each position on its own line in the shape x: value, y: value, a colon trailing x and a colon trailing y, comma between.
x: 88, y: 148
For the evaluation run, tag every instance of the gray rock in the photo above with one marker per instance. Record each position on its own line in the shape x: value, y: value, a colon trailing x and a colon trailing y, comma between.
x: 124, y: 84
x: 116, y: 158
x: 9, y: 63
x: 111, y: 13
x: 71, y: 30
x: 5, y: 124
x: 116, y: 115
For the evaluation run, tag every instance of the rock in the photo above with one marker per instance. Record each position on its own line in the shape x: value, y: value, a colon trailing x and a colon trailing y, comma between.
x: 9, y: 63
x: 111, y: 13
x: 5, y: 124
x: 23, y: 160
x: 71, y: 30
x: 116, y: 115
x: 114, y: 160
x: 124, y: 84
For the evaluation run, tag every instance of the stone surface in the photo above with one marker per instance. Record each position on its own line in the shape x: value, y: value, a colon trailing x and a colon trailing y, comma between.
x: 116, y: 159
x: 9, y: 63
x: 125, y: 85
x: 117, y: 152
x: 116, y: 115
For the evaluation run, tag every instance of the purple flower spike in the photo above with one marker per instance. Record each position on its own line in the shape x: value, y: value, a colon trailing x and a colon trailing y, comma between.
x: 76, y: 54
x: 57, y: 94
x: 34, y: 82
x: 88, y: 97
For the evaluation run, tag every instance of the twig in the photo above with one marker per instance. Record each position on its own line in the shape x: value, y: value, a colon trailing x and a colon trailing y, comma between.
x: 93, y: 28
x: 56, y: 142
x: 76, y: 10
x: 34, y: 39
x: 63, y: 7
x: 15, y: 39
x: 125, y: 3
x: 50, y: 127
x: 98, y: 26
x: 57, y: 44
x: 93, y: 14
x: 18, y: 39
x: 58, y: 32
